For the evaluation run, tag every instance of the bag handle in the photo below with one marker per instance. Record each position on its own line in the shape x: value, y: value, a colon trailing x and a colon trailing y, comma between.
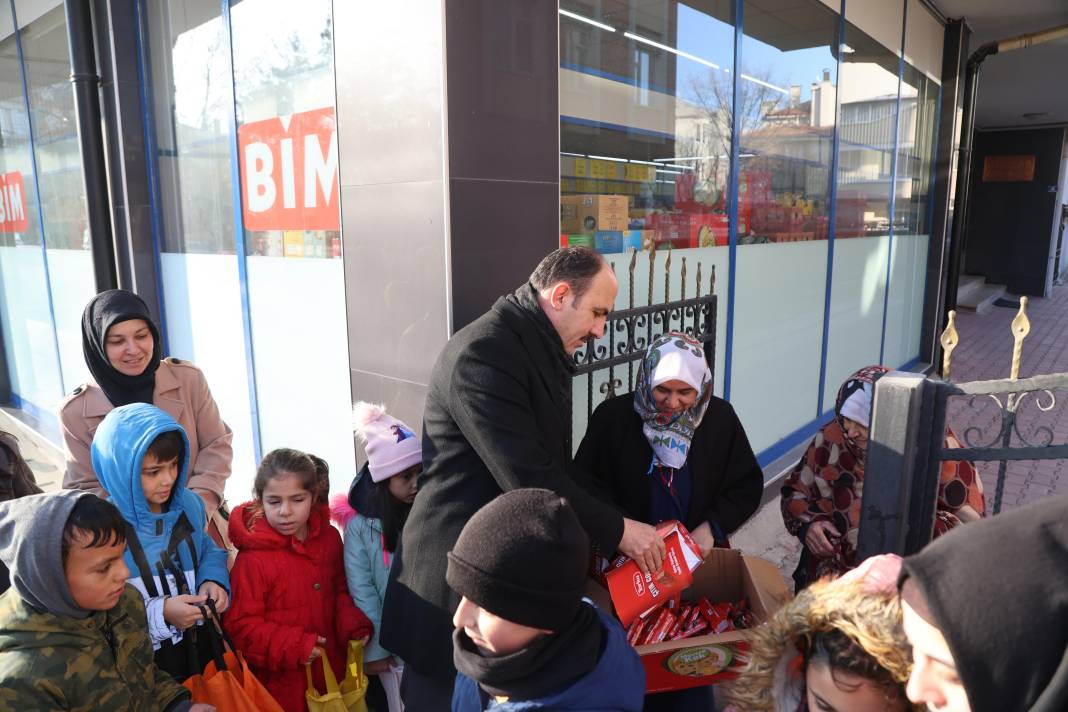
x: 328, y: 676
x: 220, y: 639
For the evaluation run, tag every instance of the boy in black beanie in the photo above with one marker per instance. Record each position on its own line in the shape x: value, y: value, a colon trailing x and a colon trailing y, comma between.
x: 525, y: 638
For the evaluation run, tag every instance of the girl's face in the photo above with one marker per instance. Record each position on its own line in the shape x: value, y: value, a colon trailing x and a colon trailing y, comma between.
x: 674, y: 396
x: 403, y: 485
x: 844, y: 692
x: 287, y: 505
x: 129, y: 345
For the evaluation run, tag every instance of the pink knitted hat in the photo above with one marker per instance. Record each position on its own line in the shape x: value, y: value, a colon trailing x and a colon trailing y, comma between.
x: 391, y: 445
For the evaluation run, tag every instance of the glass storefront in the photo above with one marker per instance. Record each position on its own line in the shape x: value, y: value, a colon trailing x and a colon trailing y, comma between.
x: 247, y: 213
x: 45, y: 261
x: 822, y: 260
x: 777, y: 143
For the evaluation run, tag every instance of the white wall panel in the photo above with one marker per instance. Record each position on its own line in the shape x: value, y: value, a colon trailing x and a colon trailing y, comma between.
x: 881, y: 19
x: 778, y: 337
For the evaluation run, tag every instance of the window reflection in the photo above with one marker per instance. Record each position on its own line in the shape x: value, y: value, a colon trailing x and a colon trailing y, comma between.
x: 916, y: 135
x: 645, y: 97
x: 193, y: 105
x: 55, y: 132
x: 868, y: 87
x: 786, y: 122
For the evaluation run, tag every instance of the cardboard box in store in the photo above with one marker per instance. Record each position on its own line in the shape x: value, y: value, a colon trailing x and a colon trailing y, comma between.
x: 726, y: 575
x: 691, y: 229
x: 589, y: 213
x: 581, y: 239
x: 293, y: 243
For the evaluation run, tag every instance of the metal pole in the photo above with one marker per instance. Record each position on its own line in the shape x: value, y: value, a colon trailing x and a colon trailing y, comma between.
x: 86, y: 85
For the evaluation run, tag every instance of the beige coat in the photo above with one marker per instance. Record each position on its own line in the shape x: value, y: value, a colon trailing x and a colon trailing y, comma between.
x: 181, y: 391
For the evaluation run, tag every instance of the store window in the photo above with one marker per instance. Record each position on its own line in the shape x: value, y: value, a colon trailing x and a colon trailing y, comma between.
x: 288, y: 160
x: 62, y: 189
x: 645, y: 137
x: 912, y: 212
x: 787, y: 93
x: 868, y: 94
x: 277, y: 182
x: 191, y: 94
x: 25, y: 316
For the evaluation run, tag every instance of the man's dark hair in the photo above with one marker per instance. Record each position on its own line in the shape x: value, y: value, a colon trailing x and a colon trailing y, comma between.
x: 575, y: 265
x: 93, y: 522
x: 167, y: 446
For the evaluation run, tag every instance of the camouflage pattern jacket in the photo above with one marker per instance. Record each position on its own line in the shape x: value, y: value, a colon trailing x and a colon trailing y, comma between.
x: 102, y: 663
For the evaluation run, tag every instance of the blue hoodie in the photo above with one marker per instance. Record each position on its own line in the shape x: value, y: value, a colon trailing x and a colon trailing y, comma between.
x: 118, y: 449
x: 617, y: 684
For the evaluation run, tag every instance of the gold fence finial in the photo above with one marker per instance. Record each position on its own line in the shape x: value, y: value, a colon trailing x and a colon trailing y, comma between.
x: 949, y: 341
x: 1021, y: 327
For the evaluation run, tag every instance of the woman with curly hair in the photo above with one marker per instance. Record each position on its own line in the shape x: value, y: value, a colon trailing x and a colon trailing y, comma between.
x: 837, y: 647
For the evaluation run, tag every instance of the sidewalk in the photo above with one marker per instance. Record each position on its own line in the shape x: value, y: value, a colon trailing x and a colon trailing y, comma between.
x: 985, y: 353
x: 44, y: 458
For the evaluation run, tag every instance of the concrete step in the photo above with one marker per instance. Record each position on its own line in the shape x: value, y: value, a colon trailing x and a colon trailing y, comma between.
x: 979, y: 297
x: 969, y: 280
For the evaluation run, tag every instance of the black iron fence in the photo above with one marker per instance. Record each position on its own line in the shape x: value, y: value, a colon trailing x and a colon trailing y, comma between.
x: 1009, y: 421
x: 602, y: 364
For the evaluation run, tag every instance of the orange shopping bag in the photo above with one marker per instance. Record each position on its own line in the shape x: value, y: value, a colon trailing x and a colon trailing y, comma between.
x: 227, y: 681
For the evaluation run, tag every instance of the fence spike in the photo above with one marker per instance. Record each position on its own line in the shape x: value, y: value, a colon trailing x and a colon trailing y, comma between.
x: 1021, y: 327
x: 697, y: 291
x: 652, y: 265
x: 667, y: 275
x: 633, y: 264
x: 712, y: 281
x: 949, y: 341
x: 682, y: 280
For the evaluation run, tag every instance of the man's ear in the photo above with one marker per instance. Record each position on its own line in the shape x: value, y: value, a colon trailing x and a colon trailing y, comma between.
x: 558, y: 293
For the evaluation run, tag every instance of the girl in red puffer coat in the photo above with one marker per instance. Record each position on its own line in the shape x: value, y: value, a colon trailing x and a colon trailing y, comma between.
x: 290, y: 601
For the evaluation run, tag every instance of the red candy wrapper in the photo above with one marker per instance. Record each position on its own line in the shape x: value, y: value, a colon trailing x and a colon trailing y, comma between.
x: 636, y: 630
x: 663, y: 624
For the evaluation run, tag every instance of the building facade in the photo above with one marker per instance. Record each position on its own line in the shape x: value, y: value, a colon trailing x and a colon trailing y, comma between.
x: 313, y: 196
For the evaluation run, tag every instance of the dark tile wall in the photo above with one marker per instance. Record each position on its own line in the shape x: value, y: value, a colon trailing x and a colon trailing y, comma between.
x: 502, y: 68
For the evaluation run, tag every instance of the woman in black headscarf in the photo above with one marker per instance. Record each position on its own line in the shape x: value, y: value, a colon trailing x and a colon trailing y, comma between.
x: 985, y: 610
x: 123, y: 352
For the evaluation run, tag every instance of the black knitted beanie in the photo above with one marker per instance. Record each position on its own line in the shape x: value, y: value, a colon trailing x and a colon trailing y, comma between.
x: 523, y: 557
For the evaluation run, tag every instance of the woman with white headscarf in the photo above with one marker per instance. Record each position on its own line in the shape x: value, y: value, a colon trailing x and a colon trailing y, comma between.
x: 672, y: 450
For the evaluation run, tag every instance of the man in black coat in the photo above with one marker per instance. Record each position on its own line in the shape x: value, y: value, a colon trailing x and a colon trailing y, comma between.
x: 496, y: 420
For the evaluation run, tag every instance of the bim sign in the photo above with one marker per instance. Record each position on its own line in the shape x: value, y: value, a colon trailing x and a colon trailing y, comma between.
x: 12, y: 202
x: 289, y: 172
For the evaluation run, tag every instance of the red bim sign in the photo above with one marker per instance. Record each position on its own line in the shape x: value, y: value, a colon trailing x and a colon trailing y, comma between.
x: 12, y: 202
x: 289, y: 178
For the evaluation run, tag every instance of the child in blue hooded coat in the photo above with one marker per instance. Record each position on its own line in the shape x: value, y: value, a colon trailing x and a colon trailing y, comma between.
x: 525, y: 637
x: 141, y: 457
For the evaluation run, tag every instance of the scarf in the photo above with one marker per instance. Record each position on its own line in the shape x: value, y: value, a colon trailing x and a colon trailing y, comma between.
x: 101, y: 313
x: 673, y: 356
x: 549, y: 664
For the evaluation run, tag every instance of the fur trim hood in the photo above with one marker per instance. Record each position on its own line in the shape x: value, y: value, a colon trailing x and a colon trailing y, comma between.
x: 773, y: 678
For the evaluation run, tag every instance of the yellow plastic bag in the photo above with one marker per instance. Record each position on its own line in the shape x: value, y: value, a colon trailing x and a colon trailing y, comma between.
x: 354, y: 686
x: 331, y: 701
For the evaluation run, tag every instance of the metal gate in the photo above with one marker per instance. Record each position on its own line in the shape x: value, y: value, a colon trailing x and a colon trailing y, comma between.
x: 905, y: 447
x: 601, y: 364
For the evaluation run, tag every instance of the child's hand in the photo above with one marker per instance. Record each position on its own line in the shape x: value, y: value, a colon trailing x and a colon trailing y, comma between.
x: 316, y: 651
x: 216, y: 593
x: 181, y: 611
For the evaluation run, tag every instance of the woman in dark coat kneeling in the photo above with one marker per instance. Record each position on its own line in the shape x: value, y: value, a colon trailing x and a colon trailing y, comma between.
x: 672, y: 450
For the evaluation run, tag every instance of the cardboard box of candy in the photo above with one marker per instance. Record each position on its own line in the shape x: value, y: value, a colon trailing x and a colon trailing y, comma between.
x: 701, y: 640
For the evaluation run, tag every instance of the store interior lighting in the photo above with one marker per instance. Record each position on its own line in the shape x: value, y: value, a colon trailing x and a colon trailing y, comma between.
x: 679, y: 52
x: 588, y: 21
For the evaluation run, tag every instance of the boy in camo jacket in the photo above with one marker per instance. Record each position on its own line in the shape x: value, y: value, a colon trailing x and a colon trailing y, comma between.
x: 73, y: 635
